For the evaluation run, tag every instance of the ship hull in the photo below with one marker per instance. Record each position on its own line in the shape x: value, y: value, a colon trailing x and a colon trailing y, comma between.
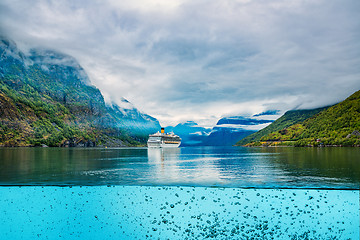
x: 162, y: 145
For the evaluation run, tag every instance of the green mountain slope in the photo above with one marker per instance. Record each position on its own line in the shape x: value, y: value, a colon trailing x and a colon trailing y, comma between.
x: 288, y: 119
x: 46, y: 98
x: 337, y: 125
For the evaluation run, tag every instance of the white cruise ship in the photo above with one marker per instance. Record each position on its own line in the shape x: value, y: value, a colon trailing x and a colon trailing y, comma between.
x: 163, y: 140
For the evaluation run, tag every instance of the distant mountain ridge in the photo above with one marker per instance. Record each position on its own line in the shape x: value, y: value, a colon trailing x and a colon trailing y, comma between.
x: 190, y: 132
x: 239, y: 120
x: 47, y: 98
x: 226, y: 132
x: 338, y: 125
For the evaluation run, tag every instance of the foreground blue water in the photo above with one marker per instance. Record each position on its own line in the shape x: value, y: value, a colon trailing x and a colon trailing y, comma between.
x: 143, y: 212
x: 187, y: 193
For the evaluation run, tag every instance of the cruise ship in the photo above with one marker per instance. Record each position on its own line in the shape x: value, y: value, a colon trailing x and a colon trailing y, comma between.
x: 163, y: 140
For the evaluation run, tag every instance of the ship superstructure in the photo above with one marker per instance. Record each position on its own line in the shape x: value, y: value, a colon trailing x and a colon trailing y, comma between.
x: 162, y: 139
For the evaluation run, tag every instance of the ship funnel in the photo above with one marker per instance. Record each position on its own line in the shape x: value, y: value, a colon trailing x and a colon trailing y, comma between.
x: 162, y: 130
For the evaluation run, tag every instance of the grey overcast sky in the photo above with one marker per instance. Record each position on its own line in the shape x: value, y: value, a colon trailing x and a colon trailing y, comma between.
x: 201, y: 60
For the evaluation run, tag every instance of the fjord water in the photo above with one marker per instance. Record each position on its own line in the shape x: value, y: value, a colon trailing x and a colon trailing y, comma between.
x: 337, y: 168
x: 193, y: 193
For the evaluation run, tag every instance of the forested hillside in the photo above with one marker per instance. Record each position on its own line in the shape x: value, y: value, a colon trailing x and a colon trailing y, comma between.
x: 338, y: 125
x: 47, y: 98
x: 288, y: 119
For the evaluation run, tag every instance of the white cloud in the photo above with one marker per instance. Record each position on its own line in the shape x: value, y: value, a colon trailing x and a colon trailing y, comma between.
x: 201, y: 60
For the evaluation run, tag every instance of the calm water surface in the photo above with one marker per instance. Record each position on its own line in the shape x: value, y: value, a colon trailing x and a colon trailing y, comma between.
x: 337, y: 168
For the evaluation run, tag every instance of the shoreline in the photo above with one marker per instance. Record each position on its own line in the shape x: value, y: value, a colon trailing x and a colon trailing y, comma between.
x: 352, y: 146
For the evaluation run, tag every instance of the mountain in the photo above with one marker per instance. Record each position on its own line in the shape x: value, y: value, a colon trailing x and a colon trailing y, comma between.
x: 337, y: 125
x: 47, y: 98
x: 267, y: 113
x: 129, y: 118
x: 224, y: 136
x: 288, y: 119
x: 239, y: 120
x: 229, y: 130
x: 226, y: 132
x: 190, y: 132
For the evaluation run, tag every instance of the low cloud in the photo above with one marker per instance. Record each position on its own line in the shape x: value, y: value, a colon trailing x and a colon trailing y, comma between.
x: 201, y: 60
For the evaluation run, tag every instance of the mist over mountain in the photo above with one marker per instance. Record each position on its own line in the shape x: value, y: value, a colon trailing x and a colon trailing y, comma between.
x: 239, y: 120
x: 190, y: 132
x: 47, y: 98
x: 230, y: 130
x: 267, y: 113
x: 226, y: 132
x: 208, y: 59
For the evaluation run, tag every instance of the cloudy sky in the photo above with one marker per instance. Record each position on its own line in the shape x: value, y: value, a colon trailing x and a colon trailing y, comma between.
x: 201, y: 60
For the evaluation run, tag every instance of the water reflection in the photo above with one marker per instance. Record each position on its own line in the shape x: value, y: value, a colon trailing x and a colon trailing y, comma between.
x: 159, y: 155
x: 172, y: 166
x: 337, y: 165
x: 59, y: 166
x: 207, y: 166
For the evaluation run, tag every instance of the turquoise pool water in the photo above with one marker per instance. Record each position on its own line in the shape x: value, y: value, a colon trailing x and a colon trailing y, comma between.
x: 187, y: 193
x: 143, y: 212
